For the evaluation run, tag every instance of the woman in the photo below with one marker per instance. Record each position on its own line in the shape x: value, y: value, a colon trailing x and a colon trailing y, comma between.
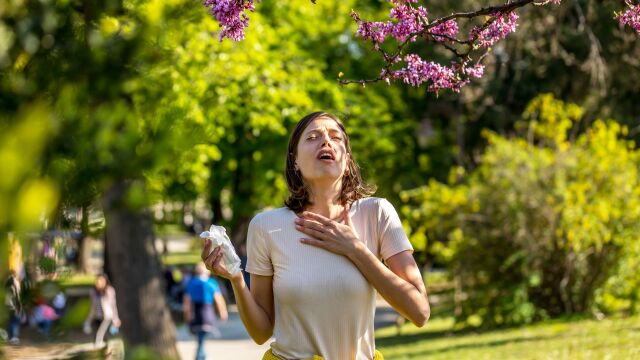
x: 13, y: 302
x: 315, y: 263
x: 104, y: 310
x: 202, y: 291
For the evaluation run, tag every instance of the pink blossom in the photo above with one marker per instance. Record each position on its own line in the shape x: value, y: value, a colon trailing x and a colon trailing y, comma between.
x: 502, y: 25
x: 374, y: 31
x: 419, y: 71
x: 475, y: 71
x: 448, y: 28
x: 405, y: 20
x: 631, y: 17
x: 230, y: 14
x: 409, y: 20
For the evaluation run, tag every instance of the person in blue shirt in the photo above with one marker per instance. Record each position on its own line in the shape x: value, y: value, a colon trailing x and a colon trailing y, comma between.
x: 201, y: 293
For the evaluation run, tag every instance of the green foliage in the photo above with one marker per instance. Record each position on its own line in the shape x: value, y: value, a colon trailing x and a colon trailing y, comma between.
x: 47, y: 265
x: 75, y: 315
x: 542, y: 223
x: 234, y: 105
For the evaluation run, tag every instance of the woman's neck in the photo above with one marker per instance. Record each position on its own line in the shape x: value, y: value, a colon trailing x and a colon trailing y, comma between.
x: 325, y: 200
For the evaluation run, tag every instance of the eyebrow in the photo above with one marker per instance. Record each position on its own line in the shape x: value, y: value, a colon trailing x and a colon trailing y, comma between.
x: 331, y: 130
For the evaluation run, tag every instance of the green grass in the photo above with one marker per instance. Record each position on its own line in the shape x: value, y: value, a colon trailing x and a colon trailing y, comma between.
x: 183, y: 258
x: 75, y: 315
x: 557, y: 339
x: 75, y: 280
x: 169, y: 229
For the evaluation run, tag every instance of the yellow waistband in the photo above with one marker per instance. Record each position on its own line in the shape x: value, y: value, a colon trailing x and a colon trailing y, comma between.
x: 270, y: 356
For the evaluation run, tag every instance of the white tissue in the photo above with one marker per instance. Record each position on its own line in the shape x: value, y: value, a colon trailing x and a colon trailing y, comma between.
x: 219, y: 237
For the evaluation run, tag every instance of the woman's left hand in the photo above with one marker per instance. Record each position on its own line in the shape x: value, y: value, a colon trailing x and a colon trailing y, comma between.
x: 328, y: 234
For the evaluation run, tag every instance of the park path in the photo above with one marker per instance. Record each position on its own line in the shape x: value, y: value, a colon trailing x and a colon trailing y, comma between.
x: 233, y: 342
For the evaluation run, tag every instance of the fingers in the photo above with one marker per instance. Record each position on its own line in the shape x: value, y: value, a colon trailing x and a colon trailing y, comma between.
x: 314, y: 233
x: 314, y: 242
x: 310, y: 225
x: 317, y: 217
x: 210, y: 259
x: 217, y: 257
x: 206, y: 250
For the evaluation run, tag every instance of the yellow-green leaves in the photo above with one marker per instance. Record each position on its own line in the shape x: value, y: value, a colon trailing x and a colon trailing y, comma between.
x: 542, y: 222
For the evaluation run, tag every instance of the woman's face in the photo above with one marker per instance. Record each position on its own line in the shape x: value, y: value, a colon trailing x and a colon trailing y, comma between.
x: 321, y: 152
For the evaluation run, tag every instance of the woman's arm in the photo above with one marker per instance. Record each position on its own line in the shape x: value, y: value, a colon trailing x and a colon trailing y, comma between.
x: 401, y: 284
x: 255, y: 306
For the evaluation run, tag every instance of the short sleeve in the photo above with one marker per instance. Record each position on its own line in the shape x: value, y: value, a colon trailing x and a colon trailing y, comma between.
x: 258, y: 252
x: 391, y: 235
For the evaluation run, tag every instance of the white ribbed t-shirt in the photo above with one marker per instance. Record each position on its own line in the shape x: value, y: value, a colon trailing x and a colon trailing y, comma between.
x: 323, y: 304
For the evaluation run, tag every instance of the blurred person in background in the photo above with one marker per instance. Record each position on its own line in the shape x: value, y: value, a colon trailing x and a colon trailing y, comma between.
x: 103, y: 314
x: 44, y: 316
x: 201, y: 293
x: 13, y: 303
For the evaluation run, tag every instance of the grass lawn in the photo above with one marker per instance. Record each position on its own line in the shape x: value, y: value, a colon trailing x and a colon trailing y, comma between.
x: 182, y: 258
x: 557, y: 339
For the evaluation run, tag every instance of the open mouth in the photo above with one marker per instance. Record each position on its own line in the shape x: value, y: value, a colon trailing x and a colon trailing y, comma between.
x: 326, y: 156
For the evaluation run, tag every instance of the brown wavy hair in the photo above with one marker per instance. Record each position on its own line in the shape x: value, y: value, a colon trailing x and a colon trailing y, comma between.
x: 353, y: 187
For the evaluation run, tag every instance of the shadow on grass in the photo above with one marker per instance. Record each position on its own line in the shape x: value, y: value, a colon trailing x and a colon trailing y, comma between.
x: 479, y: 345
x: 409, y: 339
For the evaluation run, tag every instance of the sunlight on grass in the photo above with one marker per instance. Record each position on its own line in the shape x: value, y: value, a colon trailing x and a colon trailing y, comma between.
x: 559, y: 339
x: 183, y: 258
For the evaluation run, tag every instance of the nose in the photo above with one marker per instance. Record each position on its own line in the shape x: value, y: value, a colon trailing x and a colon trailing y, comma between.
x: 326, y: 139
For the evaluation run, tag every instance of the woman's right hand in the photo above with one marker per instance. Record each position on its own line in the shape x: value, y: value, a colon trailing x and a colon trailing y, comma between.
x: 213, y: 260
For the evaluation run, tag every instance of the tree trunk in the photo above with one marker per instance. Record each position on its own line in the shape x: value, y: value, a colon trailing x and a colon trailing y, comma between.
x: 133, y: 260
x: 84, y: 242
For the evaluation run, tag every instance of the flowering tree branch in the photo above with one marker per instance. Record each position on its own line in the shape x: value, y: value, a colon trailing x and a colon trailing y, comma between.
x: 408, y: 23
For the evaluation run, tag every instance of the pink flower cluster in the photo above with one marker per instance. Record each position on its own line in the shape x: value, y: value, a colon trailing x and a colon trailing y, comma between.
x: 408, y: 20
x: 475, y: 71
x: 230, y: 14
x: 502, y: 25
x: 374, y: 31
x: 448, y: 28
x: 419, y: 71
x: 631, y: 17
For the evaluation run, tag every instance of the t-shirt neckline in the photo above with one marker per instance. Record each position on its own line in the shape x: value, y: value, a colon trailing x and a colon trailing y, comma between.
x: 340, y: 222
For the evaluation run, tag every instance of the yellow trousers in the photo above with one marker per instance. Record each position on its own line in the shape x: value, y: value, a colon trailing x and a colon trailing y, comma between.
x: 270, y: 356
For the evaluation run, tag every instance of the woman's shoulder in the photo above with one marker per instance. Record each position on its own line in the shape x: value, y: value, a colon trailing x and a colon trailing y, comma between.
x: 267, y: 216
x: 374, y: 206
x: 370, y: 202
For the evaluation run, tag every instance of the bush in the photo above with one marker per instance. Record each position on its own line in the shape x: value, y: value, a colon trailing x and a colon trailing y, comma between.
x: 545, y: 225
